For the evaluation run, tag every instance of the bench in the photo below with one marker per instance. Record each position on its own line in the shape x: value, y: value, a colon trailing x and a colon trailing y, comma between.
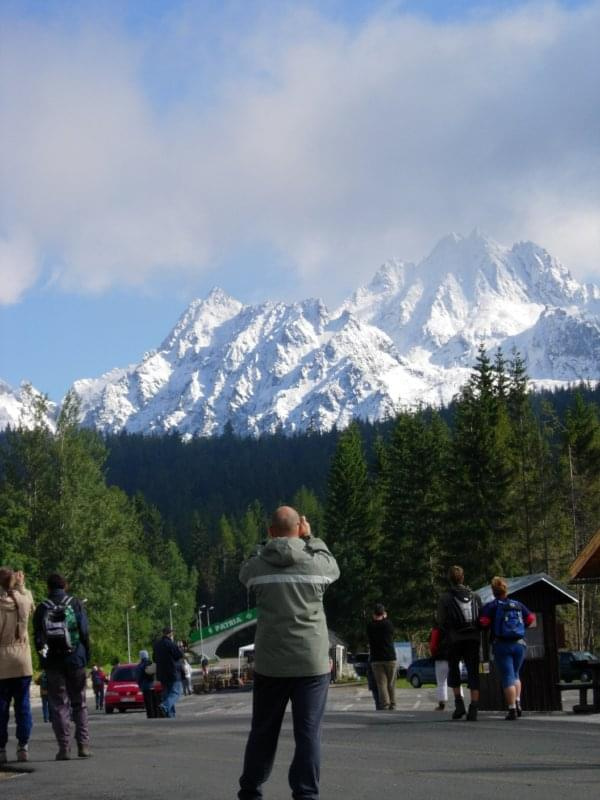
x: 583, y: 688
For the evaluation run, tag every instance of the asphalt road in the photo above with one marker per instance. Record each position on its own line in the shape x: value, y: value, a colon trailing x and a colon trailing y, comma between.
x: 413, y: 752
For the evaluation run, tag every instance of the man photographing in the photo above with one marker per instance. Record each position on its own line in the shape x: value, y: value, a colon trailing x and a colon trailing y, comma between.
x: 289, y: 574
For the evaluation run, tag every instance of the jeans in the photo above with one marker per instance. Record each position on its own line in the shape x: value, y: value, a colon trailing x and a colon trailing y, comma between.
x: 270, y: 698
x: 45, y: 708
x: 99, y: 694
x: 66, y: 694
x: 171, y: 694
x: 509, y: 657
x: 17, y: 691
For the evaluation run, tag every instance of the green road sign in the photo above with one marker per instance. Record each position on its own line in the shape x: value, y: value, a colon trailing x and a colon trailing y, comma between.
x: 243, y: 618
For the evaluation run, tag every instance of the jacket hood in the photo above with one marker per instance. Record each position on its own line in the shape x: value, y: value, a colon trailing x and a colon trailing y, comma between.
x: 283, y: 551
x: 461, y: 592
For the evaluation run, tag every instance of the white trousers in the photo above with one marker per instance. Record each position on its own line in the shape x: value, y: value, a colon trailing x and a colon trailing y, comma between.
x: 441, y: 679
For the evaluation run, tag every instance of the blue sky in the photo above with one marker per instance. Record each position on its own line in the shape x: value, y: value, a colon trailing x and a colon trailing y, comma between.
x: 153, y: 149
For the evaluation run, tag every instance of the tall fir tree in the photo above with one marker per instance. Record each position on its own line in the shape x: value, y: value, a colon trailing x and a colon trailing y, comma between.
x: 352, y: 537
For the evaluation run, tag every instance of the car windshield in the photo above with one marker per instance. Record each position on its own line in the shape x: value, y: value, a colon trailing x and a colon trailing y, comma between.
x: 124, y: 674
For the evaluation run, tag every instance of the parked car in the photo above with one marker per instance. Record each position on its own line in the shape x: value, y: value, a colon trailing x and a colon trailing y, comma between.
x: 423, y: 671
x: 573, y: 665
x: 123, y: 691
x: 359, y: 661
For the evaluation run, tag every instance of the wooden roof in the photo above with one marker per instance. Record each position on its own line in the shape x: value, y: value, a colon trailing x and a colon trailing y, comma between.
x: 586, y: 567
x: 560, y: 593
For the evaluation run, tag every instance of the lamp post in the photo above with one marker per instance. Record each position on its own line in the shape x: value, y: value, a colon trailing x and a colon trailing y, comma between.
x: 128, y: 633
x: 200, y: 610
x: 171, y: 607
x: 208, y: 610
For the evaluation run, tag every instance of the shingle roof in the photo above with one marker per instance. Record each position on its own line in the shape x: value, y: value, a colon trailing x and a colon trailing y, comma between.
x: 516, y: 585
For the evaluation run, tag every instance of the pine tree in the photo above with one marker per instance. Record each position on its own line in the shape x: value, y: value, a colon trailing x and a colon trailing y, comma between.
x: 351, y: 536
x: 414, y: 512
x: 480, y: 477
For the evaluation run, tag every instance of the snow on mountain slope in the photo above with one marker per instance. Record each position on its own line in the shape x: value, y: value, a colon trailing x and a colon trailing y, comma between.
x: 409, y: 337
x: 17, y: 407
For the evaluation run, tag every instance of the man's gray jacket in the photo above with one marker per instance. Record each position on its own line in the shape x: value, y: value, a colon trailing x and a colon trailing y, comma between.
x: 289, y: 577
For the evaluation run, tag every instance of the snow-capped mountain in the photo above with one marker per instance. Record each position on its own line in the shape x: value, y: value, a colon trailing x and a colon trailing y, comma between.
x: 410, y: 336
x: 18, y: 407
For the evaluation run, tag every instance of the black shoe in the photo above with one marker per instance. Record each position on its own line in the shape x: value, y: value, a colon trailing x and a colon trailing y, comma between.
x: 512, y: 714
x: 459, y: 710
x: 472, y: 714
x: 440, y: 706
x: 519, y: 710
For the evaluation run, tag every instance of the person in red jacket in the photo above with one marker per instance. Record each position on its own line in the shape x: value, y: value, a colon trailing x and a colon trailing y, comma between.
x: 438, y: 647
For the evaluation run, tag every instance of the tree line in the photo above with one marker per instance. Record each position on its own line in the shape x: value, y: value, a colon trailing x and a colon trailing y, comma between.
x: 58, y: 514
x: 502, y: 481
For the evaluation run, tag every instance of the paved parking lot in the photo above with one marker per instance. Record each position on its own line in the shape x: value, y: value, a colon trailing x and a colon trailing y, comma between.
x: 414, y: 752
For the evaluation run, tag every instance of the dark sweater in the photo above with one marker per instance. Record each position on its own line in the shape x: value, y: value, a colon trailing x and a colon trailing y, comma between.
x: 381, y: 640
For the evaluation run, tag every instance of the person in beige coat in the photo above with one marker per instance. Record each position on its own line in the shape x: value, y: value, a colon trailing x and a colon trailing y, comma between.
x: 16, y: 670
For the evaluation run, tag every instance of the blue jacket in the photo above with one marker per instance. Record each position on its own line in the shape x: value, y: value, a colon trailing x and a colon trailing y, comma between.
x: 145, y: 682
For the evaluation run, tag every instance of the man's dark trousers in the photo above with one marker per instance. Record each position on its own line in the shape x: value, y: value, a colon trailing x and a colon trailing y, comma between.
x: 66, y: 693
x: 270, y: 698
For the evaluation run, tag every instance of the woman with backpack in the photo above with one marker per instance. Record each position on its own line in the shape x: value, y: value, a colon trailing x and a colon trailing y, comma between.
x: 507, y: 620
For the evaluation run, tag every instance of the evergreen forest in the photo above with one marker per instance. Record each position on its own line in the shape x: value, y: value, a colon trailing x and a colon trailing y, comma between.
x: 503, y: 481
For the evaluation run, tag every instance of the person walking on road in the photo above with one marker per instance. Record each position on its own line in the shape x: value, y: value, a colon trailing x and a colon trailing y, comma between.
x: 62, y: 640
x: 458, y: 617
x: 186, y: 672
x: 438, y: 646
x: 16, y: 670
x: 168, y: 657
x: 380, y: 633
x: 42, y: 682
x: 144, y: 674
x: 289, y: 574
x: 99, y: 680
x: 507, y: 620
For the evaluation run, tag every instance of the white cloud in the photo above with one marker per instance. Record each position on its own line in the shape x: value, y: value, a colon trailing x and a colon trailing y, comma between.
x: 337, y: 148
x: 18, y: 268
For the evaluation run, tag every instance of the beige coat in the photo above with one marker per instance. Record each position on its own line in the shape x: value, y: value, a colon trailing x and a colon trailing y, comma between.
x: 15, y: 652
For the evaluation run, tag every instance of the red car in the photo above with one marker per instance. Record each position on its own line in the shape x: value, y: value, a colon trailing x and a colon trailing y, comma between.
x: 123, y: 691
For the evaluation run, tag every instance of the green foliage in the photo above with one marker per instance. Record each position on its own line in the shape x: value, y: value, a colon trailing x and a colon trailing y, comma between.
x: 58, y: 515
x: 352, y: 535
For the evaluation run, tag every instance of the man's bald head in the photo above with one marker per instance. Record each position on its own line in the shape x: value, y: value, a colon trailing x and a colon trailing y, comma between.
x: 285, y: 522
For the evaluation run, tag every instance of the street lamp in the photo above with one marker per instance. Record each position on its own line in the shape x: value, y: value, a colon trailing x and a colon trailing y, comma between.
x: 171, y: 607
x: 208, y: 610
x: 200, y: 610
x: 128, y: 634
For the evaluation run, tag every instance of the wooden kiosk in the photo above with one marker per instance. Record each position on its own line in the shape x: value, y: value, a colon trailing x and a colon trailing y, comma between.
x: 541, y: 594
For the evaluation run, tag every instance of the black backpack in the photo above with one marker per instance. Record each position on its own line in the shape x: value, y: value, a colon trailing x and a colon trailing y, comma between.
x: 464, y: 613
x: 61, y: 628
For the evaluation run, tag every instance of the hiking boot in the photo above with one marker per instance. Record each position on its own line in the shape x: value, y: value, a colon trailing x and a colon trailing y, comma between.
x: 22, y: 753
x: 472, y: 714
x: 512, y: 713
x: 3, y: 758
x: 83, y: 750
x: 63, y: 754
x: 459, y: 708
x: 519, y: 710
x: 440, y: 706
